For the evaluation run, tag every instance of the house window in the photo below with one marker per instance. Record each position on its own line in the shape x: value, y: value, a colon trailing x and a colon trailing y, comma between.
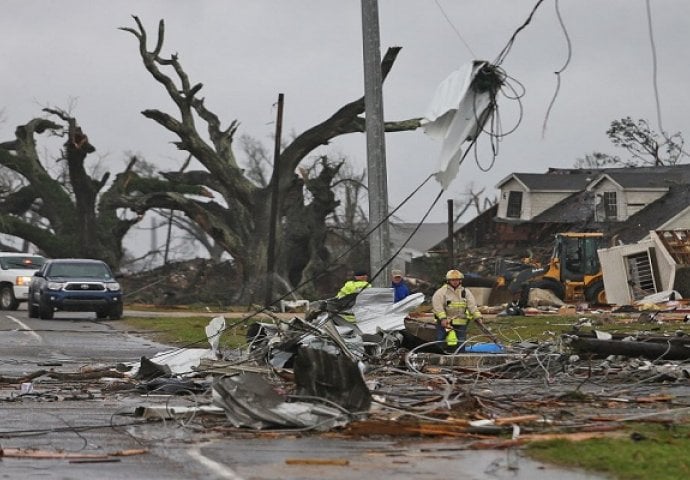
x: 514, y: 205
x: 610, y: 206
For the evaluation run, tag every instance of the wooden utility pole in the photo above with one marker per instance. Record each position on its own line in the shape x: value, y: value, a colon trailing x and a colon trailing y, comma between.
x: 451, y: 246
x: 275, y: 180
x: 379, y: 240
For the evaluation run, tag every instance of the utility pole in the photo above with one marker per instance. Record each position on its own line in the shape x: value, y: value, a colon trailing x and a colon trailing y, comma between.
x: 275, y: 180
x: 451, y: 246
x: 379, y: 240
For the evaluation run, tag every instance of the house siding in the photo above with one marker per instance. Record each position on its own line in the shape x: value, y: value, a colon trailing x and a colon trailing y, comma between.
x: 629, y: 201
x: 541, y: 201
x: 636, y: 201
x: 533, y: 203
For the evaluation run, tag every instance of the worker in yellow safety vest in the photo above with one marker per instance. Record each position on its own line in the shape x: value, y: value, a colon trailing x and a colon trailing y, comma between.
x: 454, y: 307
x: 348, y: 293
x: 357, y: 284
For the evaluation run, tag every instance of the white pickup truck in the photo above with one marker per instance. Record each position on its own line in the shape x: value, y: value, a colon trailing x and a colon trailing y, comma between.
x: 16, y: 270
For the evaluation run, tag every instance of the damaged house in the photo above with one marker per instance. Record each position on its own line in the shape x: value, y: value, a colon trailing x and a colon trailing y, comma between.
x: 623, y: 203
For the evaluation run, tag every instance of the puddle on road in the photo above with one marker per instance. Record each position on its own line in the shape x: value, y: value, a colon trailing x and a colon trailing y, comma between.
x: 262, y: 460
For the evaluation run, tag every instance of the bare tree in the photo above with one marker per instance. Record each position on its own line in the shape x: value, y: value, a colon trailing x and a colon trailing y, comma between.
x: 476, y: 200
x: 645, y: 146
x: 259, y: 165
x: 598, y: 160
x: 240, y: 222
x: 81, y: 215
x: 72, y: 215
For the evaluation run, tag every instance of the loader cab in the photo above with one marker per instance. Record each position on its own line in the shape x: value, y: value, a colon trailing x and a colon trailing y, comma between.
x: 574, y: 271
x: 575, y: 258
x: 580, y: 254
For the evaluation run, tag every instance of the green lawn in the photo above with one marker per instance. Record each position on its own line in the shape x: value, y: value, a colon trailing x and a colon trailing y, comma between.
x: 545, y: 328
x: 188, y: 331
x: 648, y: 452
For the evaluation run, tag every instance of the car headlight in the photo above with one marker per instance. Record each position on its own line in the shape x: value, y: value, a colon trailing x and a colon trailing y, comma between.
x: 112, y: 286
x: 22, y: 281
x: 55, y: 285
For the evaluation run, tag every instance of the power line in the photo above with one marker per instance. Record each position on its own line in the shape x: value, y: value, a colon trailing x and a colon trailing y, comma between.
x: 558, y: 73
x: 654, y: 67
x: 502, y: 55
x: 457, y: 32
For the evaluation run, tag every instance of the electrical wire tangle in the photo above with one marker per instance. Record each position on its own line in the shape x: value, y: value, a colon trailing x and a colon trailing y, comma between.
x: 494, y: 80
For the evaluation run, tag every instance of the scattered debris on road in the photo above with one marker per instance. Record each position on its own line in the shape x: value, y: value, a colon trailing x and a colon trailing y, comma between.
x: 384, y: 375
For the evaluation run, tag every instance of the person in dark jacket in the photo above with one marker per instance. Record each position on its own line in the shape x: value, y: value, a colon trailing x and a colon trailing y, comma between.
x: 398, y: 283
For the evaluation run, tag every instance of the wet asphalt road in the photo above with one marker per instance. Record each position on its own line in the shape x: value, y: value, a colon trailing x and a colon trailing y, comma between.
x: 83, y: 419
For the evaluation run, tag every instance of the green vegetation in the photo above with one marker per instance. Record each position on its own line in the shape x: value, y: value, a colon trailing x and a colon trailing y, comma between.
x: 546, y: 328
x: 187, y: 331
x: 648, y: 451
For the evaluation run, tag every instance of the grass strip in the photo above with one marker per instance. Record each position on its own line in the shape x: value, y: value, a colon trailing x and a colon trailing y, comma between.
x: 648, y: 451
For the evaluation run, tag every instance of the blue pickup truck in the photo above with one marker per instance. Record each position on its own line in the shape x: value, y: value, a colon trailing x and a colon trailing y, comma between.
x: 75, y: 285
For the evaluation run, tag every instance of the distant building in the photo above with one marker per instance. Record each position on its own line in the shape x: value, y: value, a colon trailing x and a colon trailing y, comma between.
x: 419, y: 243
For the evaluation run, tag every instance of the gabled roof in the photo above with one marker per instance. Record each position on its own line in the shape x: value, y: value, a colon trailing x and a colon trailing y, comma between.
x: 680, y: 169
x: 549, y: 181
x: 577, y: 179
x: 578, y: 207
x: 636, y: 180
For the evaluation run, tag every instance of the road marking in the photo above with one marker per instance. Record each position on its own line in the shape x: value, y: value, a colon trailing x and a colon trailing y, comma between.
x: 218, y: 468
x: 25, y: 327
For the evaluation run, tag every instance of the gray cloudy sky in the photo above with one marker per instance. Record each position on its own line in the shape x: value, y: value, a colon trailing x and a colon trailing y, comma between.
x: 246, y: 52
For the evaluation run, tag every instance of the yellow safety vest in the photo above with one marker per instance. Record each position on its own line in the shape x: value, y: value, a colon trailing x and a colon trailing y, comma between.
x: 352, y: 286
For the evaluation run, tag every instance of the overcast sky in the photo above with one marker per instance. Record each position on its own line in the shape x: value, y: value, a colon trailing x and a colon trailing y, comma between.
x: 247, y: 52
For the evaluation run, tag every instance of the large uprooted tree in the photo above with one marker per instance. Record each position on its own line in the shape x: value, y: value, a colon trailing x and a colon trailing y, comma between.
x: 67, y: 214
x: 227, y: 205
x: 238, y: 220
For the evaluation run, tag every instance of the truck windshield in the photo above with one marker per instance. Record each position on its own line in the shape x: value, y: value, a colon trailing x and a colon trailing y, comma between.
x: 80, y: 270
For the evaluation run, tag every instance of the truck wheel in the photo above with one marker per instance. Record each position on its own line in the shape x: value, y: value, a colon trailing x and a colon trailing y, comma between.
x: 595, y: 293
x: 45, y: 311
x: 7, y: 300
x: 116, y: 312
x: 33, y: 309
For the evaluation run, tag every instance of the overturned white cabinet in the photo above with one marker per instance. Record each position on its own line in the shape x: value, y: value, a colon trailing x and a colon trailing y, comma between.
x: 659, y: 263
x: 628, y: 272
